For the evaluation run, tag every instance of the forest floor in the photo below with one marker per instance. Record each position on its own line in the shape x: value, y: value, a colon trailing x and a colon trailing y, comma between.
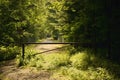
x: 10, y: 71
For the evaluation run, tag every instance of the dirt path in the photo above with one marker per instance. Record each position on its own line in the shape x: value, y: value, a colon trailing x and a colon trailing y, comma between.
x: 47, y: 47
x: 10, y: 71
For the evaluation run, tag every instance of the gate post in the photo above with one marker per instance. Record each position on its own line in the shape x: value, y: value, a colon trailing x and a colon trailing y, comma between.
x: 23, y: 50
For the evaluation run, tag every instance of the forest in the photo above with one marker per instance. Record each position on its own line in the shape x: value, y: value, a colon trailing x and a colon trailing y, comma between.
x: 94, y: 24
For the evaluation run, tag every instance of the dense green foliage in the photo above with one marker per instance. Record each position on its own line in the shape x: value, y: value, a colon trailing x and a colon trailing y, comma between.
x: 21, y: 21
x: 95, y: 24
x: 92, y: 23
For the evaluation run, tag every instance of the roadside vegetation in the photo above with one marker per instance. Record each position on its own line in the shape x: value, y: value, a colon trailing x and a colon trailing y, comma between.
x: 66, y: 66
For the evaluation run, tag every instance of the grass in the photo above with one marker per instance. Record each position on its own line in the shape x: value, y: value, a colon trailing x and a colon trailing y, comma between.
x: 78, y: 66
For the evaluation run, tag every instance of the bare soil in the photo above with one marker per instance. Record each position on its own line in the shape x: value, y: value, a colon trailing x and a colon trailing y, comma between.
x: 10, y: 71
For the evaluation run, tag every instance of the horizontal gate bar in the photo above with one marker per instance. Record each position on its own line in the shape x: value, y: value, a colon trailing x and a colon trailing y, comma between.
x: 23, y: 45
x: 52, y: 43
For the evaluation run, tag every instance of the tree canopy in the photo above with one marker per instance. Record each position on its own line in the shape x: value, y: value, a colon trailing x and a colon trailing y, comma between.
x: 91, y: 22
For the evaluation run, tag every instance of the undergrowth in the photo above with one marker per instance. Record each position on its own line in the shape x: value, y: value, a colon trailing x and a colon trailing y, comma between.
x: 78, y: 66
x: 7, y: 53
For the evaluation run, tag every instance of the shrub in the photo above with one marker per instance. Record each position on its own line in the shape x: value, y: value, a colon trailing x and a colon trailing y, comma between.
x: 7, y: 53
x: 28, y: 56
x: 52, y: 61
x: 80, y: 60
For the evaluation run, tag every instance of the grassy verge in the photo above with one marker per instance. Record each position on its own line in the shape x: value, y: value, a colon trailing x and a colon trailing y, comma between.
x: 78, y: 66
